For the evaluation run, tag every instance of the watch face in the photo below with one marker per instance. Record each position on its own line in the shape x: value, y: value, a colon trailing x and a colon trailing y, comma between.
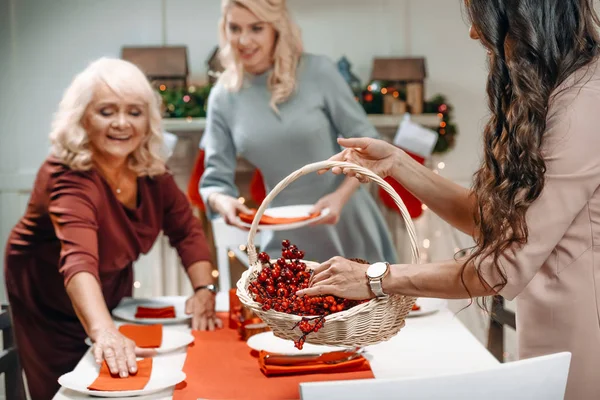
x: 376, y: 270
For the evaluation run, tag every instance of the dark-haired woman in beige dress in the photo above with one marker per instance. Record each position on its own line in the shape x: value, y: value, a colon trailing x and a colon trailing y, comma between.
x: 534, y: 209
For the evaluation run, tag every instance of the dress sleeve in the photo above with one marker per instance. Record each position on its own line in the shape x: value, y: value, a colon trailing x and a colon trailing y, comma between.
x: 183, y: 229
x: 571, y: 147
x: 220, y: 153
x: 345, y: 113
x: 74, y: 214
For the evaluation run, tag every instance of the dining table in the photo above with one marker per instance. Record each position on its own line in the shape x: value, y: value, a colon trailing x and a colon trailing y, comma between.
x: 428, y: 345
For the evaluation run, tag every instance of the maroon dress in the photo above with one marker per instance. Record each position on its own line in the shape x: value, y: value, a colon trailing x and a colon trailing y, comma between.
x: 92, y: 232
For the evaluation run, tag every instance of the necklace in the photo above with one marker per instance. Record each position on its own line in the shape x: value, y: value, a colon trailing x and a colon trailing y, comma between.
x: 116, y: 186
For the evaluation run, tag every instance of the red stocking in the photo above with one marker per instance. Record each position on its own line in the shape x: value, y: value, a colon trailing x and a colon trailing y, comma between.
x: 194, y: 183
x: 413, y: 205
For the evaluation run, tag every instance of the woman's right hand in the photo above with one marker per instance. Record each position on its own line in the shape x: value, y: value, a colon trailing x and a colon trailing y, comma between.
x: 118, y: 351
x: 373, y: 154
x: 229, y: 208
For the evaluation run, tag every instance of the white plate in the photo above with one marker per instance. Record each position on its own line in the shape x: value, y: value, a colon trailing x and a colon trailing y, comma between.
x: 171, y: 340
x: 271, y: 343
x: 289, y: 212
x: 428, y: 306
x: 127, y: 309
x: 85, y: 374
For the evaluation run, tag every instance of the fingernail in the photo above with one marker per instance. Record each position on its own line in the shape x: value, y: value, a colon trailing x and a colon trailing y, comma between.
x: 133, y: 370
x: 123, y: 374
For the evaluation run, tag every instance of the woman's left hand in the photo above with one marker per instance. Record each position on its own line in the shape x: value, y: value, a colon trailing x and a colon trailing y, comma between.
x: 202, y: 307
x: 335, y: 202
x: 340, y: 277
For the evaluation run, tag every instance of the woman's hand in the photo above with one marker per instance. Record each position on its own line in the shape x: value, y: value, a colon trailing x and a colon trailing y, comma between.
x: 340, y: 277
x: 202, y: 307
x: 229, y: 208
x: 373, y: 154
x: 334, y: 202
x: 118, y: 351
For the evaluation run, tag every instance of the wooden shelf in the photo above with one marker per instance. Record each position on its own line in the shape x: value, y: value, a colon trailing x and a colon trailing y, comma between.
x: 378, y: 120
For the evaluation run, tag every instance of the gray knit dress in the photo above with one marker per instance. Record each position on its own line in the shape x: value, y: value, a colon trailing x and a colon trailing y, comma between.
x: 305, y: 131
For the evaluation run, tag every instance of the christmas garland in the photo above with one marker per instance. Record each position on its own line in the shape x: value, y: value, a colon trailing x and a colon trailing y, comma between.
x: 191, y: 103
x: 187, y: 102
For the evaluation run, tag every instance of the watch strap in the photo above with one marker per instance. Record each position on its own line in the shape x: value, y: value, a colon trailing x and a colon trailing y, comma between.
x: 376, y: 287
x: 211, y: 288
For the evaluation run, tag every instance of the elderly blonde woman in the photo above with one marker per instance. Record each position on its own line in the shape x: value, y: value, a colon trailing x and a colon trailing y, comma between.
x: 281, y: 109
x: 99, y: 200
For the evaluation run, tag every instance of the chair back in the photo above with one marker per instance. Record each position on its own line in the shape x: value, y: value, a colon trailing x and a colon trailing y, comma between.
x: 535, y: 378
x: 9, y: 359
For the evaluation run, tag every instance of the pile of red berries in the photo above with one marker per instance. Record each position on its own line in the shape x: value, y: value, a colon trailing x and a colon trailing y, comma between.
x: 276, y: 285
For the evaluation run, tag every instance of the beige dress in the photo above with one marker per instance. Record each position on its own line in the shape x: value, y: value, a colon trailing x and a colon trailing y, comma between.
x: 555, y: 277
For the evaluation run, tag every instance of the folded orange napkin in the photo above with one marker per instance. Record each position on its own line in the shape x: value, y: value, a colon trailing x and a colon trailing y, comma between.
x: 155, y: 312
x: 109, y: 383
x: 267, y: 220
x: 356, y: 364
x: 145, y: 336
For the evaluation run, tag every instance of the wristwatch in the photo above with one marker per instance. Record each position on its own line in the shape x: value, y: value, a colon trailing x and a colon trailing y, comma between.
x: 211, y: 288
x: 375, y: 274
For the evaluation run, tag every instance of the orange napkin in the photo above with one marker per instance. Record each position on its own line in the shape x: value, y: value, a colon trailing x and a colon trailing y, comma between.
x: 145, y: 336
x: 356, y: 364
x: 109, y: 383
x: 155, y: 312
x: 230, y: 360
x: 267, y: 220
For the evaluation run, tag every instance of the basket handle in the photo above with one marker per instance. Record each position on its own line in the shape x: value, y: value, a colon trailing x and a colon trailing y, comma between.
x: 307, y: 169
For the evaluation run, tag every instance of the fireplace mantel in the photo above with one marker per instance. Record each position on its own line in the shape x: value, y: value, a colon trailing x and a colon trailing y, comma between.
x: 379, y: 121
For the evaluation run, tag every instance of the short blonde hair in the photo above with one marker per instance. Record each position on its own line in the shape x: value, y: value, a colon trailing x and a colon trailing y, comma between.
x: 69, y: 140
x: 287, y: 53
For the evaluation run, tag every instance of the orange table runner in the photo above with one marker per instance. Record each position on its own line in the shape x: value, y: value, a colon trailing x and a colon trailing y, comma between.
x: 144, y: 336
x: 221, y: 366
x: 107, y: 382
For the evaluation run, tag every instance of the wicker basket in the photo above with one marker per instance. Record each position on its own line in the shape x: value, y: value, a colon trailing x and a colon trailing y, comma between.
x: 372, y: 322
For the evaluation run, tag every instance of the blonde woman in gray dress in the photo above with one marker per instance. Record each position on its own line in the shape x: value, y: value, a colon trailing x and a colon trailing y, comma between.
x: 280, y: 109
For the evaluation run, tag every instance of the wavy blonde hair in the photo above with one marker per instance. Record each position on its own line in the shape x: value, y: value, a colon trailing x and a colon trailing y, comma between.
x: 69, y: 140
x: 286, y: 55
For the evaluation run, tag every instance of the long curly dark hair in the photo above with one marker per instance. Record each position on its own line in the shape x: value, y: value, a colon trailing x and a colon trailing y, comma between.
x: 534, y: 46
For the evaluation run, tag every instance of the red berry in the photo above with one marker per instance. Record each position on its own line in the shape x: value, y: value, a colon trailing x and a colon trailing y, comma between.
x: 262, y: 276
x: 264, y: 257
x: 285, y: 243
x: 276, y: 272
